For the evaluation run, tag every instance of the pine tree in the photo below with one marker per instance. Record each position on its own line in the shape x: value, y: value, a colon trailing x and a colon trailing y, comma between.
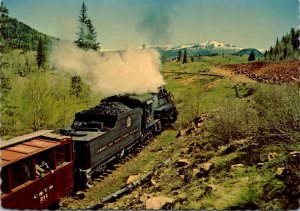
x: 179, y: 55
x: 87, y: 36
x: 184, y: 57
x: 3, y: 10
x: 40, y: 54
x: 271, y: 53
x: 287, y: 48
x: 251, y: 56
x: 266, y: 55
x: 295, y: 39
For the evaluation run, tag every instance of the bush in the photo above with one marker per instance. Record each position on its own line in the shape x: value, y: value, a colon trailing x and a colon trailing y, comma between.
x: 236, y: 120
x: 278, y: 110
x: 273, y: 115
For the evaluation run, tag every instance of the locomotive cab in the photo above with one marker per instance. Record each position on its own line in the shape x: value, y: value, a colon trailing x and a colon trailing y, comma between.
x: 164, y: 107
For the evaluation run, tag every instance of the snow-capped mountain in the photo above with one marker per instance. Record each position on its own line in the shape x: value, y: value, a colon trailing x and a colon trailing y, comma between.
x: 205, y: 45
x: 194, y: 49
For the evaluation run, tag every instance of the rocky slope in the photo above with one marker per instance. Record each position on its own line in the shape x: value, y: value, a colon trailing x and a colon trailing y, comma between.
x: 270, y: 72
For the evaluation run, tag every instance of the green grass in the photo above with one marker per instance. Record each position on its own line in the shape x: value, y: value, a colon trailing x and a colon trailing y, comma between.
x: 211, y: 97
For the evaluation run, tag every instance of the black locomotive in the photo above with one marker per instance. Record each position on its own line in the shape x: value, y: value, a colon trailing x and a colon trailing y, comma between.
x: 114, y: 127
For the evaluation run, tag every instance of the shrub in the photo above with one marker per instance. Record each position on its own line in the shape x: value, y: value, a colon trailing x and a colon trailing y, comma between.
x: 236, y: 120
x: 278, y: 110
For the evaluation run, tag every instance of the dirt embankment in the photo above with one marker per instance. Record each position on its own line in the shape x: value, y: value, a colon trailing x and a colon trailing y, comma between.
x: 268, y: 72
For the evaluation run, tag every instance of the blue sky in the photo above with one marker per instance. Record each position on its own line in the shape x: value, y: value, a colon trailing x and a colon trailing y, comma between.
x: 119, y: 23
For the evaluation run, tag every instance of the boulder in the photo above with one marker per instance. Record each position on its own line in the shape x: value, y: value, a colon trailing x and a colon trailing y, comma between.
x: 210, y: 188
x: 195, y: 172
x: 206, y: 166
x: 144, y: 197
x: 183, y: 162
x: 189, y: 131
x: 155, y: 203
x: 272, y: 155
x: 132, y: 178
x: 260, y: 165
x: 295, y: 154
x: 153, y: 183
x: 180, y: 133
x: 279, y: 171
x: 236, y: 166
x: 79, y: 195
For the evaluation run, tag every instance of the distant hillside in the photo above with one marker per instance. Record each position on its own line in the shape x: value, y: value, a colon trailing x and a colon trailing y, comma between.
x: 200, y: 49
x: 247, y: 51
x: 17, y: 35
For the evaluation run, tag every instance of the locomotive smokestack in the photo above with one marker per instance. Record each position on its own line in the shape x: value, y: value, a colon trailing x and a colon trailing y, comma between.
x: 130, y: 71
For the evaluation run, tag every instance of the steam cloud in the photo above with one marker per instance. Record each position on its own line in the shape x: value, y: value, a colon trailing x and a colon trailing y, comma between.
x: 155, y: 23
x: 131, y: 71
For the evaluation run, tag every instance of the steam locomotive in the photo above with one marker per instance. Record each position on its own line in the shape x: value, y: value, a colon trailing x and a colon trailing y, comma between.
x: 97, y: 136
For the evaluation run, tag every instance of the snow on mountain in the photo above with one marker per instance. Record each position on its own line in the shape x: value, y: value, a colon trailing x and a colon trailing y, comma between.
x: 220, y: 45
x: 212, y: 43
x: 205, y: 45
x: 261, y: 50
x: 209, y: 47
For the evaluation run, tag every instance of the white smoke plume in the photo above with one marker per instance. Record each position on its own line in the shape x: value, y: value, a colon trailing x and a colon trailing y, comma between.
x: 131, y: 71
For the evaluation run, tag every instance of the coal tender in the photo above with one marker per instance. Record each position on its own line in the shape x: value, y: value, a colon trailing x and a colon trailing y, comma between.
x: 107, y: 131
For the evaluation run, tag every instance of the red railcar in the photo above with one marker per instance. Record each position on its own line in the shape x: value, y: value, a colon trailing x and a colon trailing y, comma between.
x: 36, y: 170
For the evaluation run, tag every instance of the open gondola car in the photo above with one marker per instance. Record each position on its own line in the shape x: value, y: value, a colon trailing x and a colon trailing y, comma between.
x: 36, y: 170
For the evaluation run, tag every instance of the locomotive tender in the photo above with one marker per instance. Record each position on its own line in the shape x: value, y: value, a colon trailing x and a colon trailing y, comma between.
x: 96, y: 137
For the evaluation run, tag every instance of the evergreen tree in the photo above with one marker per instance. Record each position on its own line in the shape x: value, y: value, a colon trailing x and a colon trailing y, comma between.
x: 276, y: 49
x: 184, y: 57
x: 3, y: 10
x: 295, y: 39
x: 286, y: 48
x: 40, y: 54
x: 179, y: 55
x: 271, y: 53
x: 266, y: 55
x: 251, y: 56
x: 87, y: 36
x: 78, y: 88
